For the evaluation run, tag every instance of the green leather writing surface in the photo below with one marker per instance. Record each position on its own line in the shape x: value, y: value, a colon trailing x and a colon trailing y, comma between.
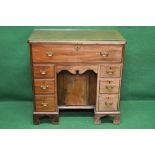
x: 75, y: 35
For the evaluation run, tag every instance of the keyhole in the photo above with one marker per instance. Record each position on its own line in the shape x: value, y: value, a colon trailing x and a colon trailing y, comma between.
x: 77, y: 72
x: 77, y: 48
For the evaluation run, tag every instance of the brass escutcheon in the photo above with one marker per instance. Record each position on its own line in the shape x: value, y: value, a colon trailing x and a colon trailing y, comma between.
x: 77, y: 48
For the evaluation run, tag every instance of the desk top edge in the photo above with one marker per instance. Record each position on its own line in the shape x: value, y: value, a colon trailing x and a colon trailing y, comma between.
x: 91, y: 36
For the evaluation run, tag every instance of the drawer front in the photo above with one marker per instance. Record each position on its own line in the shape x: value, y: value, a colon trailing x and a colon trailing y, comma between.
x: 109, y: 86
x: 108, y: 103
x: 45, y: 103
x: 76, y: 53
x: 43, y: 71
x: 44, y: 86
x: 111, y: 70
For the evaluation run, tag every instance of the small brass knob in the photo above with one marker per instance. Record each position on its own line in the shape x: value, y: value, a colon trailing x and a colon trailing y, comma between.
x: 43, y: 72
x: 49, y: 54
x: 44, y: 104
x: 44, y: 87
x: 104, y: 54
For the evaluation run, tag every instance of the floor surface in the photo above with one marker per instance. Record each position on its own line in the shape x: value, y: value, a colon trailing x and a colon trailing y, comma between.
x: 134, y: 114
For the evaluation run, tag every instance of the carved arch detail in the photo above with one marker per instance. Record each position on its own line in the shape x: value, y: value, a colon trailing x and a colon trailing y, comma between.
x: 75, y: 69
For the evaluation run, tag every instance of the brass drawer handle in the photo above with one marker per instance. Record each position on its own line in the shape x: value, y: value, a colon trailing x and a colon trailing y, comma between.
x: 77, y: 48
x: 49, y: 54
x: 109, y: 87
x: 44, y: 87
x: 110, y: 72
x: 110, y: 103
x: 44, y: 104
x: 104, y: 54
x: 43, y: 72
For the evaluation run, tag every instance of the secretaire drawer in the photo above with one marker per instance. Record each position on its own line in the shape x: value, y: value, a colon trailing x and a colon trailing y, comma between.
x: 76, y: 53
x: 108, y: 102
x: 45, y: 103
x: 109, y: 85
x: 111, y: 70
x: 43, y: 71
x: 44, y: 86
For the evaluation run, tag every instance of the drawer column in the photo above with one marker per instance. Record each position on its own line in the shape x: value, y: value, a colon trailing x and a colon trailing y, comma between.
x: 45, y: 93
x: 108, y: 92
